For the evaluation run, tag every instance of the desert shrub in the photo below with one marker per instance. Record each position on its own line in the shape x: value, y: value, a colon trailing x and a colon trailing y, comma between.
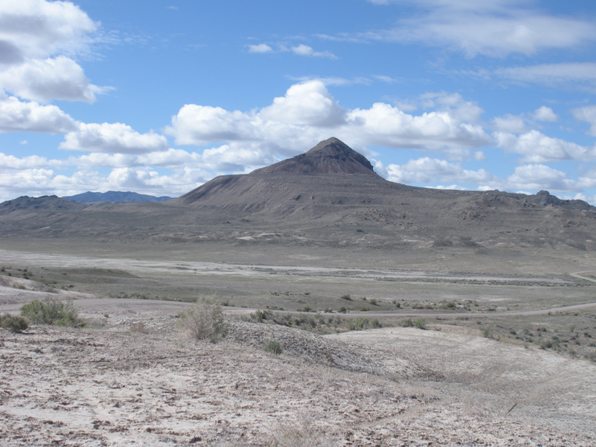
x: 53, y: 312
x: 360, y: 324
x: 418, y: 323
x: 261, y: 315
x: 346, y: 297
x: 274, y: 347
x: 204, y: 321
x: 13, y: 323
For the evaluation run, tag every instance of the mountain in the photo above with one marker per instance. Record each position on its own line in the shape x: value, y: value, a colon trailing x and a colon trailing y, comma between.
x: 26, y: 203
x: 329, y: 195
x: 114, y: 197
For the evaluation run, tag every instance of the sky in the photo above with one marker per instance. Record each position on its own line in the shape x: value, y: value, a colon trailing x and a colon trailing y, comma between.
x: 161, y: 96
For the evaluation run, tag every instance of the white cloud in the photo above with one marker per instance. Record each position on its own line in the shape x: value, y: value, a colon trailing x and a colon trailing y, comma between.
x: 299, y: 50
x: 39, y: 28
x: 516, y: 124
x: 8, y: 161
x: 433, y: 171
x: 537, y: 147
x: 16, y: 115
x: 497, y: 28
x: 587, y: 114
x: 47, y: 79
x: 38, y: 40
x: 30, y: 181
x: 306, y: 103
x: 383, y: 124
x: 546, y: 114
x: 196, y: 124
x: 260, y: 48
x: 535, y: 177
x: 453, y: 103
x: 308, y: 113
x: 509, y: 123
x: 308, y: 51
x: 112, y: 137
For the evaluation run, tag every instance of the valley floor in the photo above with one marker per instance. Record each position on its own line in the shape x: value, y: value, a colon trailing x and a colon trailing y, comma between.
x: 474, y: 376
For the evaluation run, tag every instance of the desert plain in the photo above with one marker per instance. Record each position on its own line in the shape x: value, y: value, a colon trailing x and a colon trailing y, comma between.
x: 410, y: 347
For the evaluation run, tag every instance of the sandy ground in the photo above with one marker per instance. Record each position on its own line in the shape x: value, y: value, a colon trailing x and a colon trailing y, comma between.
x: 132, y: 378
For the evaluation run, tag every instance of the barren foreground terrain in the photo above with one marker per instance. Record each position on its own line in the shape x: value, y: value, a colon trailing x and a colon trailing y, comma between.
x: 475, y: 372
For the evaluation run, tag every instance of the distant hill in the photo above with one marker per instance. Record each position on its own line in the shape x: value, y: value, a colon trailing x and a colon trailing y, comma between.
x: 329, y: 195
x: 115, y: 197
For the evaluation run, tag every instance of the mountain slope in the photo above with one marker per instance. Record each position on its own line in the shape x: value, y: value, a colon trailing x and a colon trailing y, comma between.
x: 114, y: 197
x: 328, y: 195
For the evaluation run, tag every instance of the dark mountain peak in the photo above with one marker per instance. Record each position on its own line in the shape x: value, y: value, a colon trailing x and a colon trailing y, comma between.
x: 331, y: 156
x: 331, y: 146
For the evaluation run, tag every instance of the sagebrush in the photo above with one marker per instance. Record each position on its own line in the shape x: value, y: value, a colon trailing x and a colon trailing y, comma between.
x: 13, y: 323
x: 205, y: 321
x: 52, y: 312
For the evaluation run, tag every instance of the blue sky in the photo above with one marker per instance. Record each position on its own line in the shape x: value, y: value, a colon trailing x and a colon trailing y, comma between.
x: 159, y: 97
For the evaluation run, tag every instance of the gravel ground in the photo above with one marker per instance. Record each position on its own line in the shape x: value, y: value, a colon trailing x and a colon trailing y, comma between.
x: 148, y: 384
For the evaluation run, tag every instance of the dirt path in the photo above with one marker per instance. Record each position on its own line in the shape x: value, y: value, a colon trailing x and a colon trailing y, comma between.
x: 579, y: 275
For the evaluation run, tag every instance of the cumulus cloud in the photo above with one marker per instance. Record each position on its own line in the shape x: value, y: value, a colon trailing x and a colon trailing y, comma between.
x: 546, y: 114
x: 538, y: 148
x: 509, y: 123
x: 47, y: 79
x: 534, y: 177
x: 39, y: 28
x: 8, y: 161
x: 112, y: 137
x: 308, y: 113
x: 38, y: 40
x: 588, y: 115
x: 307, y: 103
x: 425, y: 171
x: 453, y: 103
x: 497, y: 28
x: 17, y: 115
x: 196, y: 124
x: 384, y: 124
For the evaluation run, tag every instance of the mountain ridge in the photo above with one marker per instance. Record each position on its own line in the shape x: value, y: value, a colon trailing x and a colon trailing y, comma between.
x: 115, y: 197
x: 329, y: 195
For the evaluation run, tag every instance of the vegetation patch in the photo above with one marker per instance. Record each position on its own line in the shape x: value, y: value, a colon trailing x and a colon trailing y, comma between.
x: 320, y: 324
x: 205, y: 321
x: 52, y: 312
x: 274, y: 347
x: 13, y: 323
x: 418, y: 323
